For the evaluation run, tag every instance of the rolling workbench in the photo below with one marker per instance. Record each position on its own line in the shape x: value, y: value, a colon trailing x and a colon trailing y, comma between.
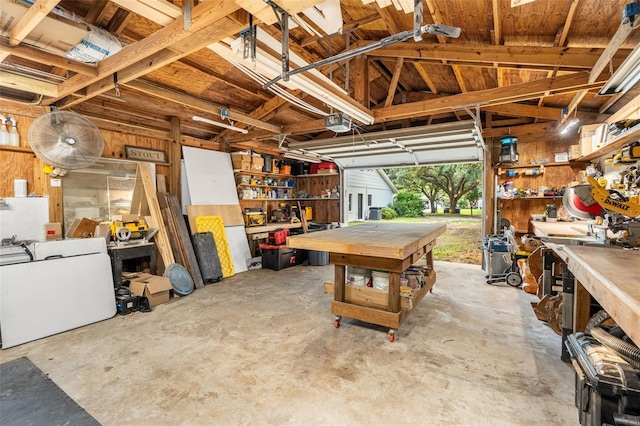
x: 390, y: 247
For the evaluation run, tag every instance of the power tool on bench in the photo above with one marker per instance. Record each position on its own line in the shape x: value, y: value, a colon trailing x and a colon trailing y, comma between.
x: 592, y: 200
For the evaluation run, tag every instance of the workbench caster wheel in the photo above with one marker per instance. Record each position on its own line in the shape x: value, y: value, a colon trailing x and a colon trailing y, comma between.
x: 336, y: 322
x: 392, y: 335
x: 513, y: 279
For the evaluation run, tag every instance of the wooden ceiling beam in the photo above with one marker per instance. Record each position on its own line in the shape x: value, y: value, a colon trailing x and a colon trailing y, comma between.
x: 204, y: 15
x: 621, y: 35
x: 346, y: 29
x: 118, y: 21
x: 394, y: 82
x: 524, y: 129
x: 195, y: 103
x: 159, y: 11
x: 497, y: 24
x: 201, y: 39
x: 34, y: 15
x: 96, y: 12
x: 501, y: 95
x: 426, y: 77
x: 538, y: 112
x: 27, y: 84
x: 576, y: 58
x: 266, y: 14
x: 42, y: 57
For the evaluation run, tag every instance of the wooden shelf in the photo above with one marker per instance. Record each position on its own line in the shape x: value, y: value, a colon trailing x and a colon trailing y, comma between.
x: 16, y: 148
x: 290, y: 199
x: 615, y: 144
x: 266, y: 186
x: 255, y: 173
x: 531, y: 198
x: 533, y: 166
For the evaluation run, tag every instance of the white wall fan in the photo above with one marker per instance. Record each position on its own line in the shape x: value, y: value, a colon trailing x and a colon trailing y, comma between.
x: 66, y: 140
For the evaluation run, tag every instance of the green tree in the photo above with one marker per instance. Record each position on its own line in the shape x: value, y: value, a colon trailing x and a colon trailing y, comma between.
x: 413, y: 179
x: 472, y: 197
x: 452, y: 180
x: 408, y: 204
x: 455, y: 180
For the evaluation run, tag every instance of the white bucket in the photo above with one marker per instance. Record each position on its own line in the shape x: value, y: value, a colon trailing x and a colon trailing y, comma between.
x: 19, y: 187
x: 357, y: 276
x: 380, y: 280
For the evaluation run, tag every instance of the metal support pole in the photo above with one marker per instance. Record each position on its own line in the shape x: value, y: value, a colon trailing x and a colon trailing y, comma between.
x: 568, y: 290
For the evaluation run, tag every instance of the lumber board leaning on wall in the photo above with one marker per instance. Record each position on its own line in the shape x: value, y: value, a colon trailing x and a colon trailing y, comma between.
x: 161, y: 239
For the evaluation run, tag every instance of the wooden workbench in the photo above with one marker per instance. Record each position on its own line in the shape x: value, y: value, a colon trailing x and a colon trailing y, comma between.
x: 612, y: 277
x: 559, y: 229
x: 391, y: 247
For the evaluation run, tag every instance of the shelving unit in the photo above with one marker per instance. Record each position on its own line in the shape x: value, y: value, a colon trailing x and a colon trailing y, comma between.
x: 324, y: 209
x: 518, y: 210
x: 616, y: 143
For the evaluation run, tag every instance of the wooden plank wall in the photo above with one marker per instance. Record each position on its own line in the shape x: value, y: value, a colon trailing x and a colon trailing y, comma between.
x: 23, y: 163
x: 532, y: 147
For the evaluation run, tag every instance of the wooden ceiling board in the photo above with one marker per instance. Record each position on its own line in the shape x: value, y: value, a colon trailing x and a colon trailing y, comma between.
x: 182, y: 77
x: 533, y: 23
x: 221, y: 94
x: 476, y: 78
x: 586, y: 31
x: 474, y: 18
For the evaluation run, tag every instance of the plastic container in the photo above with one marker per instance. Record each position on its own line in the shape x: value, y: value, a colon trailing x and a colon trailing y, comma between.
x: 318, y: 258
x: 358, y: 276
x: 380, y: 280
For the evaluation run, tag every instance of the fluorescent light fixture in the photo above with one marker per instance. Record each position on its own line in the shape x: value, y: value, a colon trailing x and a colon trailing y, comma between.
x: 301, y: 157
x: 625, y: 77
x: 313, y: 82
x: 219, y: 124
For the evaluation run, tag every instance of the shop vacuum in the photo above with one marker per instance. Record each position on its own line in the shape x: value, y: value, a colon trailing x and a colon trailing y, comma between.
x: 607, y: 377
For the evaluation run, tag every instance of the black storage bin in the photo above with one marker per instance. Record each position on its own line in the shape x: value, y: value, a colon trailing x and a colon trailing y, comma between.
x: 375, y: 213
x: 280, y: 257
x: 207, y: 255
x: 606, y: 385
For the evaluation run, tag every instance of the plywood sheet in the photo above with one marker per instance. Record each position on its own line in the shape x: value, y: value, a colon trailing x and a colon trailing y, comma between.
x: 231, y: 215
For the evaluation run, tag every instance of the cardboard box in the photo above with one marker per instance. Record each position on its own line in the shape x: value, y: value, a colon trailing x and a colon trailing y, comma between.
x: 53, y: 231
x: 153, y: 287
x: 574, y: 152
x: 82, y: 228
x: 257, y: 163
x: 592, y: 137
x: 327, y: 171
x: 241, y: 161
x: 54, y: 33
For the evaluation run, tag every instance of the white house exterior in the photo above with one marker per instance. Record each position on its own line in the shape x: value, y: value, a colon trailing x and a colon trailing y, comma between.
x: 364, y: 189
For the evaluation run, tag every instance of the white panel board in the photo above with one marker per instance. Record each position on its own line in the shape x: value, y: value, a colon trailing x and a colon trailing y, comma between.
x: 42, y: 298
x: 24, y: 218
x: 239, y: 247
x: 184, y: 188
x: 211, y: 182
x: 210, y: 177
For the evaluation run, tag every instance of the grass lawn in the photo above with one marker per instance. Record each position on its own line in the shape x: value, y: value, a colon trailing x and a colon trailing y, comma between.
x: 461, y: 242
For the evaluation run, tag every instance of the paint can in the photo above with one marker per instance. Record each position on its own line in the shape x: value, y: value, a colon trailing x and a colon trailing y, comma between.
x: 19, y: 187
x: 380, y: 280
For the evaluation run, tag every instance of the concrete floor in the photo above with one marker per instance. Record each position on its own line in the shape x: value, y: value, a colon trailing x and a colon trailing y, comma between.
x: 261, y: 348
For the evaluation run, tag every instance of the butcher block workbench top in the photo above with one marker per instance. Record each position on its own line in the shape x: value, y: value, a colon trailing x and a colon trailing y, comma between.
x: 612, y: 277
x: 388, y: 240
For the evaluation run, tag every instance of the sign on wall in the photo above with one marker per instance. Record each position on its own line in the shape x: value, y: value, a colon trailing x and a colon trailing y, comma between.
x: 145, y: 154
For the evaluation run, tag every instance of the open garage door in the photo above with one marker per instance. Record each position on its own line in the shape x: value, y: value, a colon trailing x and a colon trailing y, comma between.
x: 458, y: 142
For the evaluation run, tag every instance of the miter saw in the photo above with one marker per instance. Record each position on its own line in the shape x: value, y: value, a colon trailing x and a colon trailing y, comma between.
x: 594, y: 200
